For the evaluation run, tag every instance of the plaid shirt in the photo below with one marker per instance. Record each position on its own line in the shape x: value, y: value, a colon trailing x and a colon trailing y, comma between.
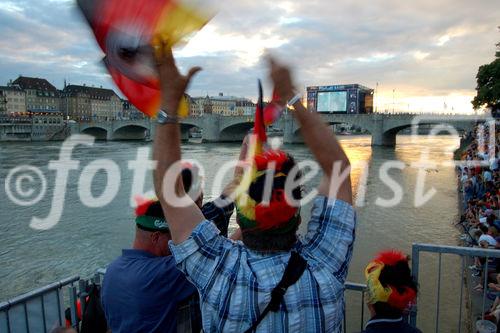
x: 188, y: 314
x: 235, y: 282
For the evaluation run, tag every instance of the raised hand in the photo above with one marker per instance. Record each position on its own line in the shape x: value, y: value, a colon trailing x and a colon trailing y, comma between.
x: 172, y: 83
x: 282, y: 79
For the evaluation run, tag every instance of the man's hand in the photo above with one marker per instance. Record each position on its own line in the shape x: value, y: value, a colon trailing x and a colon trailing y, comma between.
x: 282, y: 79
x: 172, y: 84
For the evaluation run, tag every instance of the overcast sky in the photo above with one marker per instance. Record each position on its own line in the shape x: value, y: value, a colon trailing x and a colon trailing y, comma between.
x: 426, y: 51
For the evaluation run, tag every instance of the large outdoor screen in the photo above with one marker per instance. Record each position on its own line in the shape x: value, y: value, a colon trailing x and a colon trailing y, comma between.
x: 332, y: 101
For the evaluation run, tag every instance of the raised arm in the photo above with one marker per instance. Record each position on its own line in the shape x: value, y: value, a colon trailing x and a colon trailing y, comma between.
x: 182, y: 219
x: 319, y: 138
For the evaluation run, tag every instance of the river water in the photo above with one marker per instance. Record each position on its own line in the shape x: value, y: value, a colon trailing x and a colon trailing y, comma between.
x: 89, y: 238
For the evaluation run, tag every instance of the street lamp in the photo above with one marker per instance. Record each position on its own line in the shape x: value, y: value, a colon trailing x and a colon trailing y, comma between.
x: 393, y: 100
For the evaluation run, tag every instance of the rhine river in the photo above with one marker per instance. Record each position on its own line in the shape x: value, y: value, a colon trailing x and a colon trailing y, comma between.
x: 89, y: 238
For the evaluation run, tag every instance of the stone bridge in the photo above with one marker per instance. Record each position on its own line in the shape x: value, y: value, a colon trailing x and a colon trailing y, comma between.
x: 115, y: 130
x: 384, y: 127
x: 216, y: 128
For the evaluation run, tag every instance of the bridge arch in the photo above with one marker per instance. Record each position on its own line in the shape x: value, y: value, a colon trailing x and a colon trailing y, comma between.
x: 297, y: 137
x: 131, y: 132
x: 458, y: 126
x: 186, y: 127
x: 391, y: 130
x: 236, y: 131
x: 98, y: 132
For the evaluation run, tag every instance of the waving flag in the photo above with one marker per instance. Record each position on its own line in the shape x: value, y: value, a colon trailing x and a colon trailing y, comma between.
x: 273, y: 110
x: 124, y: 30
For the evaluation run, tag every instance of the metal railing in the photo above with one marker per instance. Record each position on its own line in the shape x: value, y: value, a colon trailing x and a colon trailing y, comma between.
x: 476, y: 306
x: 36, y: 311
x: 463, y: 253
x: 28, y: 312
x: 360, y: 288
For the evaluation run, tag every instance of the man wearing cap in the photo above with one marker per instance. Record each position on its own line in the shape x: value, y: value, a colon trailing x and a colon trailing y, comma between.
x: 274, y: 280
x: 142, y: 288
x: 143, y: 291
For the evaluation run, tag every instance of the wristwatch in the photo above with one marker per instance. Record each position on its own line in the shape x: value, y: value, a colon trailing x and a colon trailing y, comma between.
x: 163, y: 118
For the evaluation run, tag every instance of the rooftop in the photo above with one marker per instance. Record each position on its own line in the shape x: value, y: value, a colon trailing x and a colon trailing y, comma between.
x: 92, y: 92
x: 222, y: 98
x: 34, y: 83
x: 10, y: 88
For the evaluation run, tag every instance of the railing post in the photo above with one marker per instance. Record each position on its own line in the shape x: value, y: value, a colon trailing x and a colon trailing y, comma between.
x: 414, y: 269
x: 82, y: 295
x: 8, y: 320
x: 43, y: 315
x: 73, y: 307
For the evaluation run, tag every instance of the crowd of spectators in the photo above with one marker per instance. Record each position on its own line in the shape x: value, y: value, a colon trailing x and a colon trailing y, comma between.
x: 480, y: 187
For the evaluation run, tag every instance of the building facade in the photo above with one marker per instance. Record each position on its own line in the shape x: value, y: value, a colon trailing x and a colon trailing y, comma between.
x: 40, y: 94
x: 3, y: 104
x: 222, y: 105
x: 14, y: 99
x: 34, y: 126
x: 198, y: 106
x: 130, y: 112
x: 83, y: 103
x: 245, y: 108
x: 48, y: 126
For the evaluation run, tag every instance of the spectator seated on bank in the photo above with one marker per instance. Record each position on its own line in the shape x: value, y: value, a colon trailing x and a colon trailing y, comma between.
x: 486, y: 240
x: 479, y: 183
x: 479, y: 180
x: 493, y: 313
x: 391, y: 292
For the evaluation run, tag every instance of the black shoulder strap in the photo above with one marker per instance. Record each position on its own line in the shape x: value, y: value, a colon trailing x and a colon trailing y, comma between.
x: 293, y: 271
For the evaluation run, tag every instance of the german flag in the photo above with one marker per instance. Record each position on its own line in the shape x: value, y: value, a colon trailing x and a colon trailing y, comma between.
x: 124, y: 30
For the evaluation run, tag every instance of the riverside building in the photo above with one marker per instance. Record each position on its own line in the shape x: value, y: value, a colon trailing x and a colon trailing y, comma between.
x: 84, y: 103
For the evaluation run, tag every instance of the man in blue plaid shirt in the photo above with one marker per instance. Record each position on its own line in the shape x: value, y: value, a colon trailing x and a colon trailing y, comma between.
x: 235, y: 279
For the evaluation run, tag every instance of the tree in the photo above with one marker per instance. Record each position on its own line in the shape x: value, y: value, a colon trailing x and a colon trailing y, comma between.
x: 488, y: 85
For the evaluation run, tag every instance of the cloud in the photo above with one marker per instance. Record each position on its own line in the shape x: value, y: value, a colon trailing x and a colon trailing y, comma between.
x: 424, y: 48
